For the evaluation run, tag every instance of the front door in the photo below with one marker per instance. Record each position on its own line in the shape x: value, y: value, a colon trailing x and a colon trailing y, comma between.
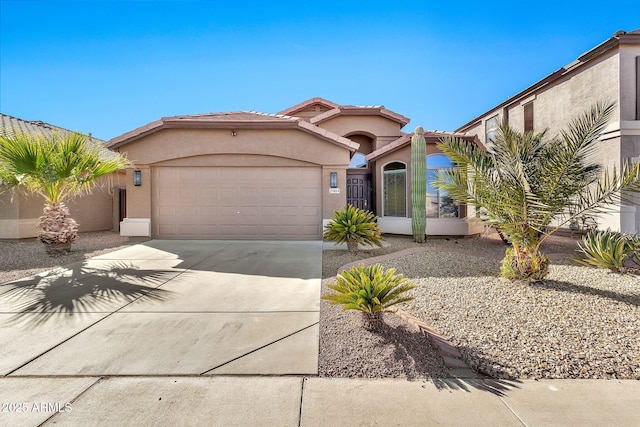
x: 359, y: 190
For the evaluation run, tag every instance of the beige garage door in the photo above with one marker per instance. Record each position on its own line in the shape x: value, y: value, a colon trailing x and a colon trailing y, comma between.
x: 237, y: 203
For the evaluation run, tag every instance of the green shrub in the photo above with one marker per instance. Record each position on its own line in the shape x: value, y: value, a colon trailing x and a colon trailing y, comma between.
x: 370, y: 289
x: 352, y: 226
x: 608, y: 249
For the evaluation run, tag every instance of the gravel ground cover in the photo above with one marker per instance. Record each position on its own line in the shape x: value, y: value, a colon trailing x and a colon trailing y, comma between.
x: 26, y: 257
x: 579, y: 323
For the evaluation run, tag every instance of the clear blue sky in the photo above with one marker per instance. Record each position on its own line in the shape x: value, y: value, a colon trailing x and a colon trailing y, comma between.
x: 108, y: 67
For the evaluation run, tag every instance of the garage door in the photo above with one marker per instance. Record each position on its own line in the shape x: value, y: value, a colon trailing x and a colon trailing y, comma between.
x: 237, y: 203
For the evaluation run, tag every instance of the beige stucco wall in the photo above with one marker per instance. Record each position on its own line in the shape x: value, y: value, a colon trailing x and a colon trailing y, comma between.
x: 628, y: 94
x: 559, y: 103
x: 20, y: 212
x: 217, y: 147
x: 381, y: 129
x: 168, y: 144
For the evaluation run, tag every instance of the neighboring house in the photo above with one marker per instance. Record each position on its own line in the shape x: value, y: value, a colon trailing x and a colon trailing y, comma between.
x: 248, y: 175
x: 20, y: 212
x: 608, y: 72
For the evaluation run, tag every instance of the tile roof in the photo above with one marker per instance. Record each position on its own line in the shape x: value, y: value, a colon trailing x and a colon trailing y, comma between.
x: 10, y: 125
x: 354, y: 110
x: 429, y: 135
x: 233, y: 120
x: 308, y: 103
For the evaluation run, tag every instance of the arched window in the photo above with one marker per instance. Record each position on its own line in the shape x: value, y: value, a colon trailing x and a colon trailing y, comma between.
x: 358, y: 161
x: 439, y: 203
x: 394, y: 189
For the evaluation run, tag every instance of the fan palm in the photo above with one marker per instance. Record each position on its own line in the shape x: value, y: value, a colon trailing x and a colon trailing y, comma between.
x: 56, y: 167
x: 531, y: 185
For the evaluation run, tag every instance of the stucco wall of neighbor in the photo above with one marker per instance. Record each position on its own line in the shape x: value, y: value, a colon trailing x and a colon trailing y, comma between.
x: 628, y: 90
x: 9, y: 214
x: 561, y: 102
x: 20, y: 212
x: 384, y: 129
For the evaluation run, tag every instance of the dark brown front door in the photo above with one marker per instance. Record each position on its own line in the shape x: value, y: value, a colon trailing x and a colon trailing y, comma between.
x: 359, y: 190
x: 123, y: 204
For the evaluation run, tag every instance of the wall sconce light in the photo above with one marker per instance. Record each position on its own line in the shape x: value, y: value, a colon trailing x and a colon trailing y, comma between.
x: 333, y: 181
x: 137, y: 178
x: 234, y: 133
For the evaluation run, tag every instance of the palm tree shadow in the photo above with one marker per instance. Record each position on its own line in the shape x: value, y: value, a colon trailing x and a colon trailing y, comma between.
x: 83, y: 289
x: 561, y: 286
x: 414, y: 351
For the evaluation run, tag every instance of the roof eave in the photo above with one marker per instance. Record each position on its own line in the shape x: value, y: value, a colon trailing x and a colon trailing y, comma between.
x: 583, y: 59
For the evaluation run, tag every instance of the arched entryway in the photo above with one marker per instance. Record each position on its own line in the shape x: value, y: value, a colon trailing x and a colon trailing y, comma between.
x: 359, y: 186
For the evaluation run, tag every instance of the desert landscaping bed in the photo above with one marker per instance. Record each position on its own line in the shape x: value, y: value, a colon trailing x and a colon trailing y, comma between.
x: 579, y: 323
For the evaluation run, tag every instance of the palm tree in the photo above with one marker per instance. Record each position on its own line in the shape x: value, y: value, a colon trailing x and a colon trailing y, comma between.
x: 57, y: 167
x: 530, y: 185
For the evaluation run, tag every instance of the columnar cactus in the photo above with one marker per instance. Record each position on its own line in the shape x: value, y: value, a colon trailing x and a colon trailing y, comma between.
x: 418, y: 185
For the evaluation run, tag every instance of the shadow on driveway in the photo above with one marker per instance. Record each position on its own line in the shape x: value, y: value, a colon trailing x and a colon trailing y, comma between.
x: 80, y: 288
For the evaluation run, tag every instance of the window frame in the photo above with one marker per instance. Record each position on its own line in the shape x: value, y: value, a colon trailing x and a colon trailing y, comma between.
x: 438, y: 197
x: 382, y: 188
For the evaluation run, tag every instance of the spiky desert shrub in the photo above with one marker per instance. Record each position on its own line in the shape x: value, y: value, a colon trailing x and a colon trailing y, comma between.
x: 352, y: 226
x: 369, y: 289
x: 608, y: 249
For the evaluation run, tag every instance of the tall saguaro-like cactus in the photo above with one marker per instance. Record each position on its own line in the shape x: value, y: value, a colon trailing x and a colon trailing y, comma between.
x: 418, y: 185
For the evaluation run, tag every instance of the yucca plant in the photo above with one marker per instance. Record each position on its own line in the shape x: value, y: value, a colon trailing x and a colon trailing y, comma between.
x: 352, y: 226
x: 531, y: 185
x: 57, y: 167
x: 608, y: 249
x: 369, y: 289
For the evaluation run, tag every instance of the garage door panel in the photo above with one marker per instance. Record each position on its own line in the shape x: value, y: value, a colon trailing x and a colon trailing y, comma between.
x: 251, y: 203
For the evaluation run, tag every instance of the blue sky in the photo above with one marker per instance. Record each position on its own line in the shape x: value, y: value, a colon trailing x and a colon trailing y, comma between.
x: 108, y: 67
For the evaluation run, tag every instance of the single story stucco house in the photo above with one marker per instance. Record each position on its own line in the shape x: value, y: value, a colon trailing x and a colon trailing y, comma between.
x: 250, y: 175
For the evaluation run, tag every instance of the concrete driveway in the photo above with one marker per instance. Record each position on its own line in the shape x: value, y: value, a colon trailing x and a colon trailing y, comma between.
x: 168, y: 308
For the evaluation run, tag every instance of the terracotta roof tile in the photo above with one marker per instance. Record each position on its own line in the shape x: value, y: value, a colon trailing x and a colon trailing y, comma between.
x: 352, y: 110
x: 306, y: 104
x: 238, y: 120
x: 429, y: 135
x: 10, y: 125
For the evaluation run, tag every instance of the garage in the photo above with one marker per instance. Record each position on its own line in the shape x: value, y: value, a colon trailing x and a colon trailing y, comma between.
x: 282, y: 203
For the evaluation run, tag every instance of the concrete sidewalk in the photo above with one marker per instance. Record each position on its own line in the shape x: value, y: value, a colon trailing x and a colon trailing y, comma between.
x: 312, y: 401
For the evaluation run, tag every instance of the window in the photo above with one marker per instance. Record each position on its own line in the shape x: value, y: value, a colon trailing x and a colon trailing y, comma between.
x: 439, y: 203
x: 491, y: 128
x: 394, y: 189
x: 358, y: 161
x: 528, y: 116
x: 637, y: 87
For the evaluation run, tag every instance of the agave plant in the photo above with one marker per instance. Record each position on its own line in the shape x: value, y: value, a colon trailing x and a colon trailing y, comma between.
x: 352, y: 226
x: 57, y: 167
x: 370, y: 289
x: 530, y: 185
x: 608, y: 249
